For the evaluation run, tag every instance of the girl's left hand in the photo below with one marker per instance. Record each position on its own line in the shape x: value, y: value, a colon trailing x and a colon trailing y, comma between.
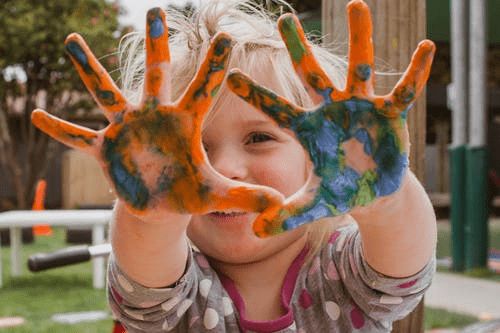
x: 357, y: 141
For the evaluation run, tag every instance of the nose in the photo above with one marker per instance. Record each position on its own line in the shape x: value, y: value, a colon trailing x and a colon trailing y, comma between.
x: 230, y: 163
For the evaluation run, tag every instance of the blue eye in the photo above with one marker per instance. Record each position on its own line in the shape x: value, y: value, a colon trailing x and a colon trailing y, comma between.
x: 259, y: 137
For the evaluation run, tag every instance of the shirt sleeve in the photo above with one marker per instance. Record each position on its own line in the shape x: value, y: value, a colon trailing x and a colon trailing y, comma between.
x: 383, y: 298
x: 143, y: 309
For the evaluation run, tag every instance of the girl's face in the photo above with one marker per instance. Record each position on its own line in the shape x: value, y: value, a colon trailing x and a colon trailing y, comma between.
x: 246, y: 145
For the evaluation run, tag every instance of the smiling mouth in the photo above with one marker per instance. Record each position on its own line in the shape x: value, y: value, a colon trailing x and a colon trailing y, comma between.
x: 227, y: 216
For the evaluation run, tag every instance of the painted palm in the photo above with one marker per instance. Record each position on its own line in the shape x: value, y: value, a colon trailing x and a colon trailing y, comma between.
x: 357, y: 141
x: 152, y: 152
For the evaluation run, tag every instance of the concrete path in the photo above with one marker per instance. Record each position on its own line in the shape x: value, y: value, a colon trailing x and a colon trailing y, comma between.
x: 477, y: 297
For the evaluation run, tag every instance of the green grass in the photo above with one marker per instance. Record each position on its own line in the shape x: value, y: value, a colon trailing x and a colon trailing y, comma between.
x: 444, y: 248
x: 38, y: 296
x: 438, y: 318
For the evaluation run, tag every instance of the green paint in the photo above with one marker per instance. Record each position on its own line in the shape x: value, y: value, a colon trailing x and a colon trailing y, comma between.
x: 88, y: 141
x: 333, y: 210
x: 292, y: 38
x: 365, y: 184
x: 215, y: 90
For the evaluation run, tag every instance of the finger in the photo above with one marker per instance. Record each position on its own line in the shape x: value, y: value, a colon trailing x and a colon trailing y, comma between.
x: 213, y: 192
x: 301, y: 208
x: 65, y: 132
x: 413, y: 80
x: 244, y: 197
x: 360, y: 69
x: 95, y: 77
x: 277, y: 107
x: 206, y: 83
x: 306, y: 65
x: 156, y: 80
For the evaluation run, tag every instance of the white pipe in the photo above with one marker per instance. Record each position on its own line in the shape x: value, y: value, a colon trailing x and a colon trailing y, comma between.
x: 477, y: 74
x: 459, y: 64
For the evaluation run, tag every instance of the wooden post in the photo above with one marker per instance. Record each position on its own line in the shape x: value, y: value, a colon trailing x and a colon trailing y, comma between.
x: 398, y: 26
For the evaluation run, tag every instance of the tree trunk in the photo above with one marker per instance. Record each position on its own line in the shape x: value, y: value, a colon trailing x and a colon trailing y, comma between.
x: 398, y: 26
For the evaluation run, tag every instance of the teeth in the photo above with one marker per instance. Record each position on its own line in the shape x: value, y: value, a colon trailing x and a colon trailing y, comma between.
x: 228, y: 213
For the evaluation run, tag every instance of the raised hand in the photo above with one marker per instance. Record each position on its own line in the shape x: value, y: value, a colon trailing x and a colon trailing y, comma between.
x: 152, y: 152
x: 357, y: 141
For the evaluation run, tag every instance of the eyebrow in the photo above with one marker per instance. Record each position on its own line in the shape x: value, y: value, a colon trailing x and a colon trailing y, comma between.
x: 257, y: 122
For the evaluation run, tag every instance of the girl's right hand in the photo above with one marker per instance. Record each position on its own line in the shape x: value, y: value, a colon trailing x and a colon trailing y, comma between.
x: 152, y: 153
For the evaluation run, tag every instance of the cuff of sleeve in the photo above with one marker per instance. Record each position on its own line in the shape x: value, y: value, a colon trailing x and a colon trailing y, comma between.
x: 414, y: 284
x: 124, y: 290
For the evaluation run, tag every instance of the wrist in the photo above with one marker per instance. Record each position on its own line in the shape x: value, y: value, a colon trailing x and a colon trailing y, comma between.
x: 387, y: 203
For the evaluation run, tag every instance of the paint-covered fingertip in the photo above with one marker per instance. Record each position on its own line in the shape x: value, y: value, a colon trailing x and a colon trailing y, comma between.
x: 235, y: 78
x: 235, y: 72
x: 288, y: 22
x: 427, y: 45
x: 287, y: 18
x: 223, y: 43
x: 262, y: 231
x: 155, y: 12
x: 38, y: 115
x: 156, y: 22
x: 357, y: 5
x: 74, y: 37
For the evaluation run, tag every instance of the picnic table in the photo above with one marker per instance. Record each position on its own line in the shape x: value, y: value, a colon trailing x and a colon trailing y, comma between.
x: 15, y: 220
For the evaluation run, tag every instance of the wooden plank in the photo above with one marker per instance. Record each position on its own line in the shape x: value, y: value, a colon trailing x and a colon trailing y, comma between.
x: 83, y: 182
x: 398, y: 27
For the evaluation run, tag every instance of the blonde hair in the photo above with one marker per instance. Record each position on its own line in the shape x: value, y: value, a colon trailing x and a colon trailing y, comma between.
x: 256, y: 42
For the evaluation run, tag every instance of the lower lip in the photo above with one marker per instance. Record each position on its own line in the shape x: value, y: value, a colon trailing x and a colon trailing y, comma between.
x: 228, y: 218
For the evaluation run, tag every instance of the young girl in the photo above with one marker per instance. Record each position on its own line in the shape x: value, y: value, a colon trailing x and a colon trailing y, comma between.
x: 190, y: 249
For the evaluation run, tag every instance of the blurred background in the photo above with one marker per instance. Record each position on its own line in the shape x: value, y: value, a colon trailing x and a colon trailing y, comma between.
x: 455, y: 154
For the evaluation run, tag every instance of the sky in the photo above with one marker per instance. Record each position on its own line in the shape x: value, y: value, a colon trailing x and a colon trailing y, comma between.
x: 137, y: 9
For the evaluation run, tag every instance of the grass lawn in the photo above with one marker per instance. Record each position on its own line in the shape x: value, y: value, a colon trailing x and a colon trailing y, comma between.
x: 438, y: 318
x: 38, y: 296
x: 444, y: 247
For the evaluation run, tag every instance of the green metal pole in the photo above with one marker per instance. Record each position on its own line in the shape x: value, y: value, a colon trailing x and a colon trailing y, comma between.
x: 457, y: 207
x: 476, y: 211
x: 476, y: 230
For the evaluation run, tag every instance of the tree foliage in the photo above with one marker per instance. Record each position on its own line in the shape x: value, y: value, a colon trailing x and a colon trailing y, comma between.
x: 32, y: 35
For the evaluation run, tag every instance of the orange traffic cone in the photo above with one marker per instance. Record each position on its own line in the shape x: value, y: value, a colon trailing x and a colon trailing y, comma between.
x: 38, y: 204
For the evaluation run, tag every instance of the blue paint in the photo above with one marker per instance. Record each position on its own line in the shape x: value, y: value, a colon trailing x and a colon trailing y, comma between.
x: 222, y: 45
x: 105, y: 97
x: 404, y: 113
x: 119, y: 117
x: 76, y: 52
x: 363, y: 72
x: 314, y: 81
x: 156, y: 28
x: 326, y: 94
x: 130, y: 187
x: 405, y: 95
x: 363, y: 137
x: 342, y: 189
x: 389, y: 180
x: 315, y: 212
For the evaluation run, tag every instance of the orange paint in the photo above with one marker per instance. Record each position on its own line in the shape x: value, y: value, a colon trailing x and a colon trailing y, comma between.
x: 71, y: 135
x: 359, y: 87
x: 94, y: 76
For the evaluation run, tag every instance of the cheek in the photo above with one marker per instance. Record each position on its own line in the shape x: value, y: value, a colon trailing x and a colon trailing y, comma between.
x: 284, y: 172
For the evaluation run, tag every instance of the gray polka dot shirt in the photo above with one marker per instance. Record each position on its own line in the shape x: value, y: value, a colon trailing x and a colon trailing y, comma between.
x: 335, y: 292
